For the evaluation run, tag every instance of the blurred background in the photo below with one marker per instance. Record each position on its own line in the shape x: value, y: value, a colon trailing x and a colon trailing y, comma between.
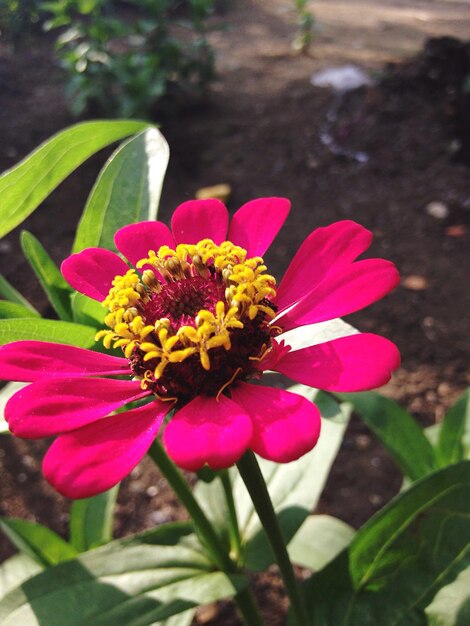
x: 354, y: 109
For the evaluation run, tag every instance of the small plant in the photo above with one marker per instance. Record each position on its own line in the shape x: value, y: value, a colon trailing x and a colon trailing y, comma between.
x: 121, y: 60
x: 305, y: 24
x: 193, y: 322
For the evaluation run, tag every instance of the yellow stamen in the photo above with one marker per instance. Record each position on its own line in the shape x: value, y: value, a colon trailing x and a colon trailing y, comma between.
x: 247, y: 290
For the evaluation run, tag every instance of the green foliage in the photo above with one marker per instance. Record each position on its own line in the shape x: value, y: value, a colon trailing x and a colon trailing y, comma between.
x: 305, y: 24
x: 8, y: 292
x: 26, y: 185
x: 12, y: 309
x: 91, y: 520
x: 16, y: 570
x: 20, y: 329
x: 54, y: 284
x: 415, y: 451
x: 453, y: 444
x: 123, y: 66
x: 117, y: 200
x: 399, y: 559
x: 319, y: 540
x: 38, y: 542
x: 451, y: 605
x: 133, y: 581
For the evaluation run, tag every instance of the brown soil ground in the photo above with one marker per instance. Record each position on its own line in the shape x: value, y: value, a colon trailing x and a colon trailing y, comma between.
x: 259, y: 131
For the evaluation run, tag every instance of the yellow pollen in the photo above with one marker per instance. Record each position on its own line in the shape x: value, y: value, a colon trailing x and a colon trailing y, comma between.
x: 247, y: 291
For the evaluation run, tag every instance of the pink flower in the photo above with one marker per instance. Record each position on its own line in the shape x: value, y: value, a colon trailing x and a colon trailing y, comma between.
x: 197, y: 318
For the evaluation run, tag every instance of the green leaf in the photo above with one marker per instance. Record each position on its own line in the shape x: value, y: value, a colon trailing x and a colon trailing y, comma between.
x: 24, y: 187
x: 87, y: 311
x: 37, y: 541
x: 295, y: 488
x: 10, y: 310
x: 16, y: 570
x: 54, y: 284
x: 400, y: 558
x: 8, y: 292
x: 451, y: 605
x: 133, y: 581
x: 397, y: 430
x: 211, y: 497
x: 319, y: 540
x: 5, y: 394
x: 454, y: 437
x: 47, y: 330
x: 91, y: 520
x: 126, y: 191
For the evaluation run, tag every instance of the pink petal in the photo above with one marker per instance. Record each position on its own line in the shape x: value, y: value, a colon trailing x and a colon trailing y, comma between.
x: 322, y: 253
x: 207, y: 431
x: 352, y: 363
x: 92, y: 271
x: 34, y: 360
x: 49, y: 407
x: 347, y: 290
x: 285, y: 425
x: 96, y: 457
x: 135, y: 241
x: 200, y: 219
x: 257, y: 222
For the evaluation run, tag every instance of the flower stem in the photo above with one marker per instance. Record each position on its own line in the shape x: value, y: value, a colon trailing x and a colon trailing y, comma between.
x: 248, y: 608
x: 235, y: 540
x: 244, y: 598
x: 180, y: 486
x: 254, y: 481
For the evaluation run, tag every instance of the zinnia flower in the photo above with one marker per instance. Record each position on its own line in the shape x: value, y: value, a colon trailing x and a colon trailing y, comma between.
x: 197, y: 318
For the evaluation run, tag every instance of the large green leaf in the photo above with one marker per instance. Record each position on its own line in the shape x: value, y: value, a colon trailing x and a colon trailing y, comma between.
x: 54, y: 284
x: 16, y: 570
x: 399, y: 559
x: 126, y: 191
x: 10, y: 310
x: 397, y: 430
x: 134, y: 581
x: 454, y: 437
x: 24, y: 187
x: 295, y: 488
x: 451, y: 605
x: 91, y: 520
x: 47, y: 330
x: 8, y: 292
x: 37, y: 541
x: 320, y: 539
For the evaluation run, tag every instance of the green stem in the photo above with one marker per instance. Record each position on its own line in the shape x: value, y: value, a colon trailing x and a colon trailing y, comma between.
x: 248, y: 608
x: 254, y: 481
x: 180, y: 486
x: 235, y: 540
x: 244, y: 598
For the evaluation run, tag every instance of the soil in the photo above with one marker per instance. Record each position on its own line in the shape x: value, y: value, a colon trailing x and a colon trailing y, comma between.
x: 259, y: 130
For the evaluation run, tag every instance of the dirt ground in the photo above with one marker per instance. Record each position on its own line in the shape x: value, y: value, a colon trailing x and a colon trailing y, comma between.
x: 259, y: 130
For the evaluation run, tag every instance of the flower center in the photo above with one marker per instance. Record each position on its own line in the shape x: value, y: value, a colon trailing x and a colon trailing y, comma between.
x: 196, y: 318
